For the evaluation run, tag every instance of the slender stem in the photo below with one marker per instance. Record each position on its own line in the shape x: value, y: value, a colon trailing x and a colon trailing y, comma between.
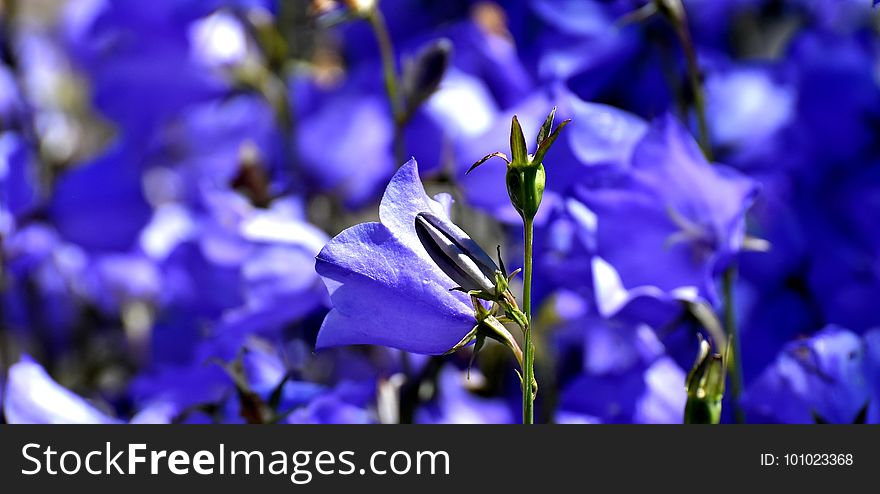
x: 392, y: 85
x: 696, y: 82
x: 695, y: 79
x: 734, y: 365
x: 529, y: 358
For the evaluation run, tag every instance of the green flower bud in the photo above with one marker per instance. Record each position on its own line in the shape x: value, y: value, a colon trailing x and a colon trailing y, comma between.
x: 525, y: 176
x: 525, y: 186
x: 705, y: 387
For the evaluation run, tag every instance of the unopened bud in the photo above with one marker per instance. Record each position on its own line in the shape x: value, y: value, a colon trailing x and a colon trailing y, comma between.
x: 525, y: 186
x: 705, y: 387
x: 422, y: 75
x: 525, y: 172
x: 456, y: 254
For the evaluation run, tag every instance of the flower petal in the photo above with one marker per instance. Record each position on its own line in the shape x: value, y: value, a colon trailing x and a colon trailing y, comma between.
x: 32, y: 397
x: 385, y: 293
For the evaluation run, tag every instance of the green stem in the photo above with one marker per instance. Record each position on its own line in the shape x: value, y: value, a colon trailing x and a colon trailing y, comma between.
x: 734, y: 364
x: 529, y: 357
x: 695, y: 79
x: 392, y: 86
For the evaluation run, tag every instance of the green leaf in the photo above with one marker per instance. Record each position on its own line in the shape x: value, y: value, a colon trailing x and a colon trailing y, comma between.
x: 547, y: 127
x: 519, y: 154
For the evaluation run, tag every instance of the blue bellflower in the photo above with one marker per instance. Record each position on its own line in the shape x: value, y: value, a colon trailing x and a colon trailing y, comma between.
x: 819, y: 379
x: 673, y: 220
x: 384, y: 286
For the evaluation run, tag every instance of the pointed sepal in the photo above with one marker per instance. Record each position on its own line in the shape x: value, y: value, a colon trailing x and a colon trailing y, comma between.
x: 487, y: 158
x: 481, y: 340
x: 546, y: 127
x: 465, y: 341
x: 519, y: 153
x: 548, y: 141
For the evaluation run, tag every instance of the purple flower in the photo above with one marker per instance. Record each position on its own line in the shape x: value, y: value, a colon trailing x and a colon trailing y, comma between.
x: 455, y: 404
x: 100, y: 205
x: 818, y: 379
x: 13, y: 108
x: 602, y: 134
x: 357, y: 120
x: 217, y: 141
x: 32, y: 397
x: 345, y: 404
x: 837, y: 93
x: 644, y: 395
x: 622, y: 371
x: 384, y: 286
x: 18, y: 180
x: 672, y: 220
x: 843, y: 275
x: 128, y: 55
x: 36, y: 257
x: 746, y: 106
x: 177, y: 393
x: 645, y: 226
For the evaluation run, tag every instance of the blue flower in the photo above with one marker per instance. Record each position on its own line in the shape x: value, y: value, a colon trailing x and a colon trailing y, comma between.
x: 645, y: 395
x: 384, y: 287
x: 347, y: 403
x: 101, y: 205
x: 456, y: 404
x: 18, y: 181
x: 672, y: 220
x: 821, y: 378
x: 127, y: 57
x: 32, y: 397
x: 359, y: 124
x: 747, y: 106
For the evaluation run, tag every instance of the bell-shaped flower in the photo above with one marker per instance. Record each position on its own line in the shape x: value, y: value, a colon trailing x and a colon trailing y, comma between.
x: 384, y: 286
x: 820, y: 379
x: 627, y: 375
x: 670, y: 222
